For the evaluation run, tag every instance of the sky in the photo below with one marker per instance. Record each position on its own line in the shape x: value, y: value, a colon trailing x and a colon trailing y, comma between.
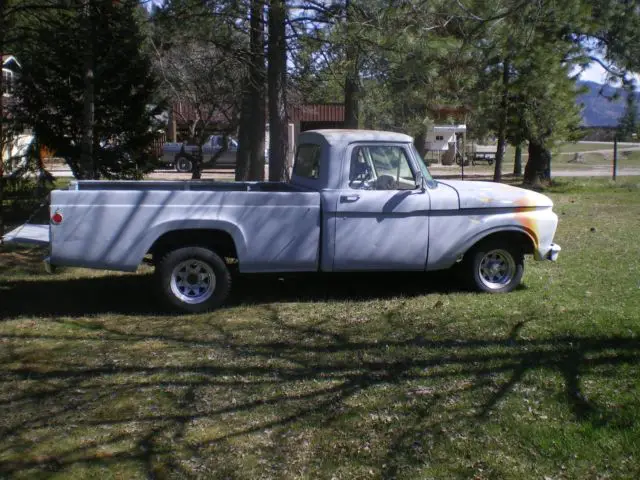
x: 595, y: 73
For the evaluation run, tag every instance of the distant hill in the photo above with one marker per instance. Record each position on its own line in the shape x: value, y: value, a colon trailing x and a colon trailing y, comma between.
x: 598, y: 110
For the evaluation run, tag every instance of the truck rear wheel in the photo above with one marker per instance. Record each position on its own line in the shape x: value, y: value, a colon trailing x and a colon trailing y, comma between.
x: 184, y: 165
x: 193, y: 279
x: 495, y: 266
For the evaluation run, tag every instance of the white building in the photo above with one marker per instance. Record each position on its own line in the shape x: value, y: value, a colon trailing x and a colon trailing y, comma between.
x: 9, y: 68
x: 10, y: 147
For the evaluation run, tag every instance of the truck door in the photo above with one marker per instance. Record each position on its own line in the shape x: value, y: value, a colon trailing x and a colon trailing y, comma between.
x: 382, y: 218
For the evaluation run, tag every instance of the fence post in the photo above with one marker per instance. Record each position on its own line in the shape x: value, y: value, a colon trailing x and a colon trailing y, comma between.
x: 615, y: 157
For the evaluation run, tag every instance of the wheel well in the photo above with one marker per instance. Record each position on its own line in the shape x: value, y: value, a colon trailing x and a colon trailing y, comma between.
x: 219, y: 241
x: 512, y: 237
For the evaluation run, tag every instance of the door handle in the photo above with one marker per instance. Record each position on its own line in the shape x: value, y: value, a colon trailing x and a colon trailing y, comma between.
x: 349, y: 198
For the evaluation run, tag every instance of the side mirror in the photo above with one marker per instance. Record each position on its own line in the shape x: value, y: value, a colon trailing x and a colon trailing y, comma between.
x: 420, y: 183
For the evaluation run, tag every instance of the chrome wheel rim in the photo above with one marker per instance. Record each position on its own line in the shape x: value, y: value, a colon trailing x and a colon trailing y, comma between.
x: 497, y: 269
x: 193, y: 281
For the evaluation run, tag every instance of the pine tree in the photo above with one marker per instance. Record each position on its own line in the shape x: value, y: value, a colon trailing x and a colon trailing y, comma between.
x: 52, y: 85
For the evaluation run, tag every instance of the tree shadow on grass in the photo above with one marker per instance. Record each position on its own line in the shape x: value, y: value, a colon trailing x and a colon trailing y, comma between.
x: 220, y: 404
x: 136, y: 294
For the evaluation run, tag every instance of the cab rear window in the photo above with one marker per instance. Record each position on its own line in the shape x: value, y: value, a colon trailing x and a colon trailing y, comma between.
x: 307, y: 162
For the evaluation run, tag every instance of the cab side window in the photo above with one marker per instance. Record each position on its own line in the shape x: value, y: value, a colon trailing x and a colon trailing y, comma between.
x: 381, y: 167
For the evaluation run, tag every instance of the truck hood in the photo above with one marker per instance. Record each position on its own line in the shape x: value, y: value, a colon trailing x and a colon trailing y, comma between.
x: 495, y: 195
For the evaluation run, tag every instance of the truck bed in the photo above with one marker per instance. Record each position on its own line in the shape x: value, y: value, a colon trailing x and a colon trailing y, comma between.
x: 112, y: 225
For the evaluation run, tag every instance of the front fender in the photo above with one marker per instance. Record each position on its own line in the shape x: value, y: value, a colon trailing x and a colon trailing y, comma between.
x: 453, y: 235
x: 474, y: 240
x: 446, y: 257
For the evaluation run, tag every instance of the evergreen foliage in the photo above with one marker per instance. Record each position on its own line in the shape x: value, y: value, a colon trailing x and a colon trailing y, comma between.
x: 51, y: 88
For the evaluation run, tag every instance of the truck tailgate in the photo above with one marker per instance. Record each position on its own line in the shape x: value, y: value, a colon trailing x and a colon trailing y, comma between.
x: 31, y: 234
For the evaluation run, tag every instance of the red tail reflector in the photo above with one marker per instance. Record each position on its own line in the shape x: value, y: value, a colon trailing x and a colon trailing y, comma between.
x: 56, y: 218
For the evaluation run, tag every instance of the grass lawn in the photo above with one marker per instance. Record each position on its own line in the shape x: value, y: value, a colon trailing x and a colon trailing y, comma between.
x: 570, y: 147
x: 376, y: 376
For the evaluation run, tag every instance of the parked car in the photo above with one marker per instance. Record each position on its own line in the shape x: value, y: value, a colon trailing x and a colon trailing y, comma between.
x: 173, y: 154
x: 357, y: 201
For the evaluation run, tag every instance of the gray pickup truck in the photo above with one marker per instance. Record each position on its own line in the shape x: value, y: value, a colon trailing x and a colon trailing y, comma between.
x: 357, y: 201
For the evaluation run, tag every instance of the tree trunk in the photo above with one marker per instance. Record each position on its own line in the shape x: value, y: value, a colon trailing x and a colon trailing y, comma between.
x: 195, y: 138
x: 196, y: 163
x: 517, y: 161
x: 2, y: 139
x: 538, y: 167
x: 86, y: 158
x: 502, y: 122
x: 351, y: 102
x: 257, y: 94
x: 250, y: 154
x: 419, y: 143
x: 351, y: 83
x: 277, y: 78
x: 244, y: 136
x: 2, y: 147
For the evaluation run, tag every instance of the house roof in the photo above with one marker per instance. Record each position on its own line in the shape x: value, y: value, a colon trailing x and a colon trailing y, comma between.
x: 6, y: 59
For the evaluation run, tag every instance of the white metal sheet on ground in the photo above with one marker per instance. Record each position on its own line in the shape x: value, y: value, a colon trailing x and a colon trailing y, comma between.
x: 28, y: 233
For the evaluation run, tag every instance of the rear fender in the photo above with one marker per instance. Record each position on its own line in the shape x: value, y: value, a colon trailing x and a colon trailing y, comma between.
x: 176, y: 225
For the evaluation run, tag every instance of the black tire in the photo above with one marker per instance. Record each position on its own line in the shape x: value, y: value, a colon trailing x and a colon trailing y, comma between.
x: 495, y: 266
x: 184, y: 165
x: 193, y: 279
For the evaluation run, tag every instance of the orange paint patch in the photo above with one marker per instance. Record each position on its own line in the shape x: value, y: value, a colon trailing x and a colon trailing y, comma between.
x: 523, y: 216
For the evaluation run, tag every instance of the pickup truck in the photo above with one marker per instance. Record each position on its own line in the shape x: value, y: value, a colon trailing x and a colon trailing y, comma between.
x: 357, y: 201
x: 173, y: 153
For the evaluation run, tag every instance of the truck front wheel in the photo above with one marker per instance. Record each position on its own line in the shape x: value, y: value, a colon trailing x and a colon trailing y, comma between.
x: 495, y: 266
x: 193, y: 279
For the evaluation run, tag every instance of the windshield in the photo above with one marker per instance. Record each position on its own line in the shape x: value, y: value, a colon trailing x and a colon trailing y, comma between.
x: 423, y: 166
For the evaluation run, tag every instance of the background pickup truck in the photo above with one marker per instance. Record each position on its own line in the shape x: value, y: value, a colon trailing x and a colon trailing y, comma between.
x: 172, y: 153
x: 357, y: 201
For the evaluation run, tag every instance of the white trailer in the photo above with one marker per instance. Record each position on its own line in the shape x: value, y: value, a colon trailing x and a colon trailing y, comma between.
x: 445, y: 140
